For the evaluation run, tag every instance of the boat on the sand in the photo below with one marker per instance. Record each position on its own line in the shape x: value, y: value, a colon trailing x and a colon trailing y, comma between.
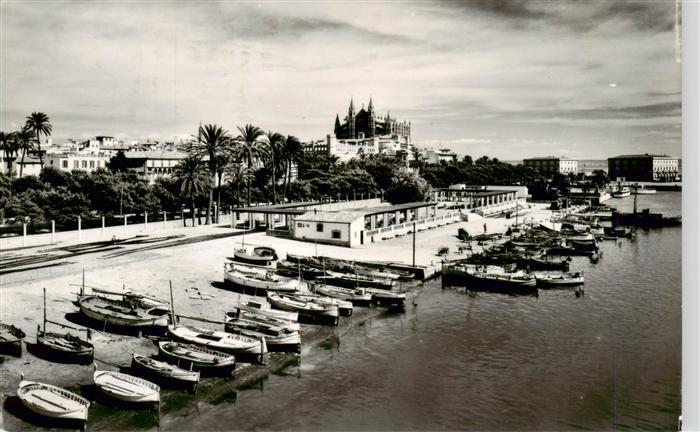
x: 53, y: 402
x: 304, y: 307
x: 196, y: 357
x: 239, y: 345
x: 11, y: 338
x: 358, y: 296
x: 260, y: 255
x: 126, y: 388
x: 277, y: 338
x: 164, y: 372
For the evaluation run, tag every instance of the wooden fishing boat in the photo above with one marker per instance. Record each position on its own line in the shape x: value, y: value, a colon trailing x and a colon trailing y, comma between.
x: 11, y: 339
x: 260, y: 280
x: 263, y: 307
x: 295, y: 270
x: 352, y: 281
x: 566, y: 279
x: 345, y: 307
x: 53, y: 402
x: 305, y: 308
x: 143, y: 300
x: 545, y: 264
x: 477, y: 277
x: 126, y: 388
x: 260, y: 255
x: 568, y: 251
x: 251, y: 315
x: 122, y: 313
x: 239, y: 345
x: 277, y: 338
x: 585, y: 246
x: 63, y: 346
x: 358, y: 296
x: 165, y: 373
x: 196, y: 357
x: 387, y: 298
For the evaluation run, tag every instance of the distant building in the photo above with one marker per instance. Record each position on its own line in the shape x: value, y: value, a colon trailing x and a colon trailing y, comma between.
x: 643, y: 167
x: 153, y: 165
x: 551, y: 165
x: 78, y: 161
x: 365, y: 132
x: 317, y: 146
x: 433, y: 156
x: 483, y: 200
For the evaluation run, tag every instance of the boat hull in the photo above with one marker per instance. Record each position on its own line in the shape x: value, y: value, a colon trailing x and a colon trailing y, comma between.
x: 165, y: 374
x: 476, y: 282
x: 242, y: 347
x: 53, y: 402
x: 90, y: 307
x: 321, y: 314
x: 126, y: 388
x: 249, y: 284
x: 53, y: 345
x: 204, y: 360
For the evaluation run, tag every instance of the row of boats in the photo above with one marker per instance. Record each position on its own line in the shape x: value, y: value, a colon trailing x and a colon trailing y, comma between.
x: 323, y: 290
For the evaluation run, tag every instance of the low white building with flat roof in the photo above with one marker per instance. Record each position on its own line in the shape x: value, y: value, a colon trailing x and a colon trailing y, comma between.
x: 550, y: 165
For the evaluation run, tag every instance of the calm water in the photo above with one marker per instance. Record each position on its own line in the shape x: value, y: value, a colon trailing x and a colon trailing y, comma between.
x: 610, y: 359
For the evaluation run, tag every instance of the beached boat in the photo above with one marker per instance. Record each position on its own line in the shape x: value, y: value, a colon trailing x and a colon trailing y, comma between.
x: 353, y: 281
x: 123, y: 313
x: 258, y: 279
x: 295, y: 270
x: 345, y: 307
x: 126, y: 388
x: 251, y: 315
x: 479, y: 277
x: 263, y: 307
x: 305, y: 308
x: 386, y: 297
x: 54, y: 402
x: 63, y: 346
x: 277, y: 338
x: 11, y: 339
x: 260, y: 255
x: 164, y: 373
x: 566, y: 279
x: 239, y: 345
x: 196, y: 357
x: 146, y: 301
x: 358, y: 296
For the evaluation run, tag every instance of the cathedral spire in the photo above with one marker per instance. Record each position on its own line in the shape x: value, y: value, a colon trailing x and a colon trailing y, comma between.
x: 370, y: 107
x: 351, y: 110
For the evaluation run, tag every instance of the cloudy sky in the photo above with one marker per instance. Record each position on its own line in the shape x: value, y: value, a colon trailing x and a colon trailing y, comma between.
x: 506, y: 78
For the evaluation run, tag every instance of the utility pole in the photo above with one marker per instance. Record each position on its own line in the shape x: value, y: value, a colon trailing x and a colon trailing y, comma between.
x: 414, y: 244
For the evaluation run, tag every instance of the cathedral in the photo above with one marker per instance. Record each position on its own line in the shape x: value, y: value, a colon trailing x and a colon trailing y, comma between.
x: 367, y: 124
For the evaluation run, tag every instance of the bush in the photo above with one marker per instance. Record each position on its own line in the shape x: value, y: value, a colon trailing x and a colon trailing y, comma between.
x: 463, y: 235
x: 444, y: 250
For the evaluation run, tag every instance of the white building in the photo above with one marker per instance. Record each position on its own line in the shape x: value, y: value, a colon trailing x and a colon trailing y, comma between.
x: 550, y: 165
x: 348, y: 148
x: 154, y: 165
x: 433, y: 156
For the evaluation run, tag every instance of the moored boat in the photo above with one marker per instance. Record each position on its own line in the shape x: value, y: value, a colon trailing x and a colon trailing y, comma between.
x: 250, y: 315
x: 277, y: 338
x: 621, y: 192
x: 304, y: 307
x: 11, y: 339
x: 352, y: 281
x: 358, y: 296
x: 295, y: 270
x: 53, y: 402
x: 122, y: 313
x: 260, y: 255
x: 196, y: 357
x: 126, y: 388
x: 242, y: 346
x: 260, y: 280
x: 566, y: 279
x: 263, y: 307
x: 165, y: 373
x: 345, y: 307
x: 478, y: 277
x: 386, y: 297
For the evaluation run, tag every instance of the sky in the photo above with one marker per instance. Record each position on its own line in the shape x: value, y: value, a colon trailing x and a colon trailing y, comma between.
x: 504, y: 78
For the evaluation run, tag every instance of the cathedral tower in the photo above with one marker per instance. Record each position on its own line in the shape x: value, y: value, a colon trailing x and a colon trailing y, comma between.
x: 351, y: 120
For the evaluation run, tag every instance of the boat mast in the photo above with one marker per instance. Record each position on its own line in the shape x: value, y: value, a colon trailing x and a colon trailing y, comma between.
x: 172, y: 304
x: 82, y: 288
x: 636, y: 189
x: 44, y: 310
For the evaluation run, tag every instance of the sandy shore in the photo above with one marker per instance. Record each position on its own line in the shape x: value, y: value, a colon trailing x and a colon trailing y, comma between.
x: 192, y: 268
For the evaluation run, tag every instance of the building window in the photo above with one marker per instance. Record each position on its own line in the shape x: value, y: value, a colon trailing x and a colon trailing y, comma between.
x: 319, y: 227
x: 64, y: 164
x: 335, y: 234
x: 300, y: 225
x: 92, y: 164
x: 76, y: 165
x: 84, y: 164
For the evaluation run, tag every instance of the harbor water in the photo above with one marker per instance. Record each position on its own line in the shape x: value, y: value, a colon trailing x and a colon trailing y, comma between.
x: 609, y: 359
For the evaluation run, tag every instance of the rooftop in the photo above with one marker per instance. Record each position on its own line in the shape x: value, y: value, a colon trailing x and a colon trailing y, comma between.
x: 154, y: 155
x: 547, y: 158
x: 642, y: 156
x: 331, y: 216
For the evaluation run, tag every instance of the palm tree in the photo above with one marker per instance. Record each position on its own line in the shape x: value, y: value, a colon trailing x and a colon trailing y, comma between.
x: 249, y: 149
x: 275, y: 147
x: 293, y: 153
x: 192, y: 175
x: 417, y: 161
x: 238, y: 173
x: 38, y: 122
x: 25, y: 142
x: 211, y: 143
x: 10, y: 148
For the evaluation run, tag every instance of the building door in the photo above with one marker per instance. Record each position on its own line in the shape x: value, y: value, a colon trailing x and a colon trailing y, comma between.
x: 362, y: 237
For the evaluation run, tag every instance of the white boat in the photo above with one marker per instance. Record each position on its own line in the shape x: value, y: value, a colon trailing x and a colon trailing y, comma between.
x: 345, y: 307
x: 164, y: 372
x: 307, y: 308
x: 251, y: 315
x: 264, y: 308
x: 565, y: 279
x: 123, y: 313
x: 277, y: 338
x: 51, y: 401
x: 258, y: 279
x: 621, y: 192
x: 238, y: 345
x: 358, y: 296
x: 126, y: 388
x: 199, y: 358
